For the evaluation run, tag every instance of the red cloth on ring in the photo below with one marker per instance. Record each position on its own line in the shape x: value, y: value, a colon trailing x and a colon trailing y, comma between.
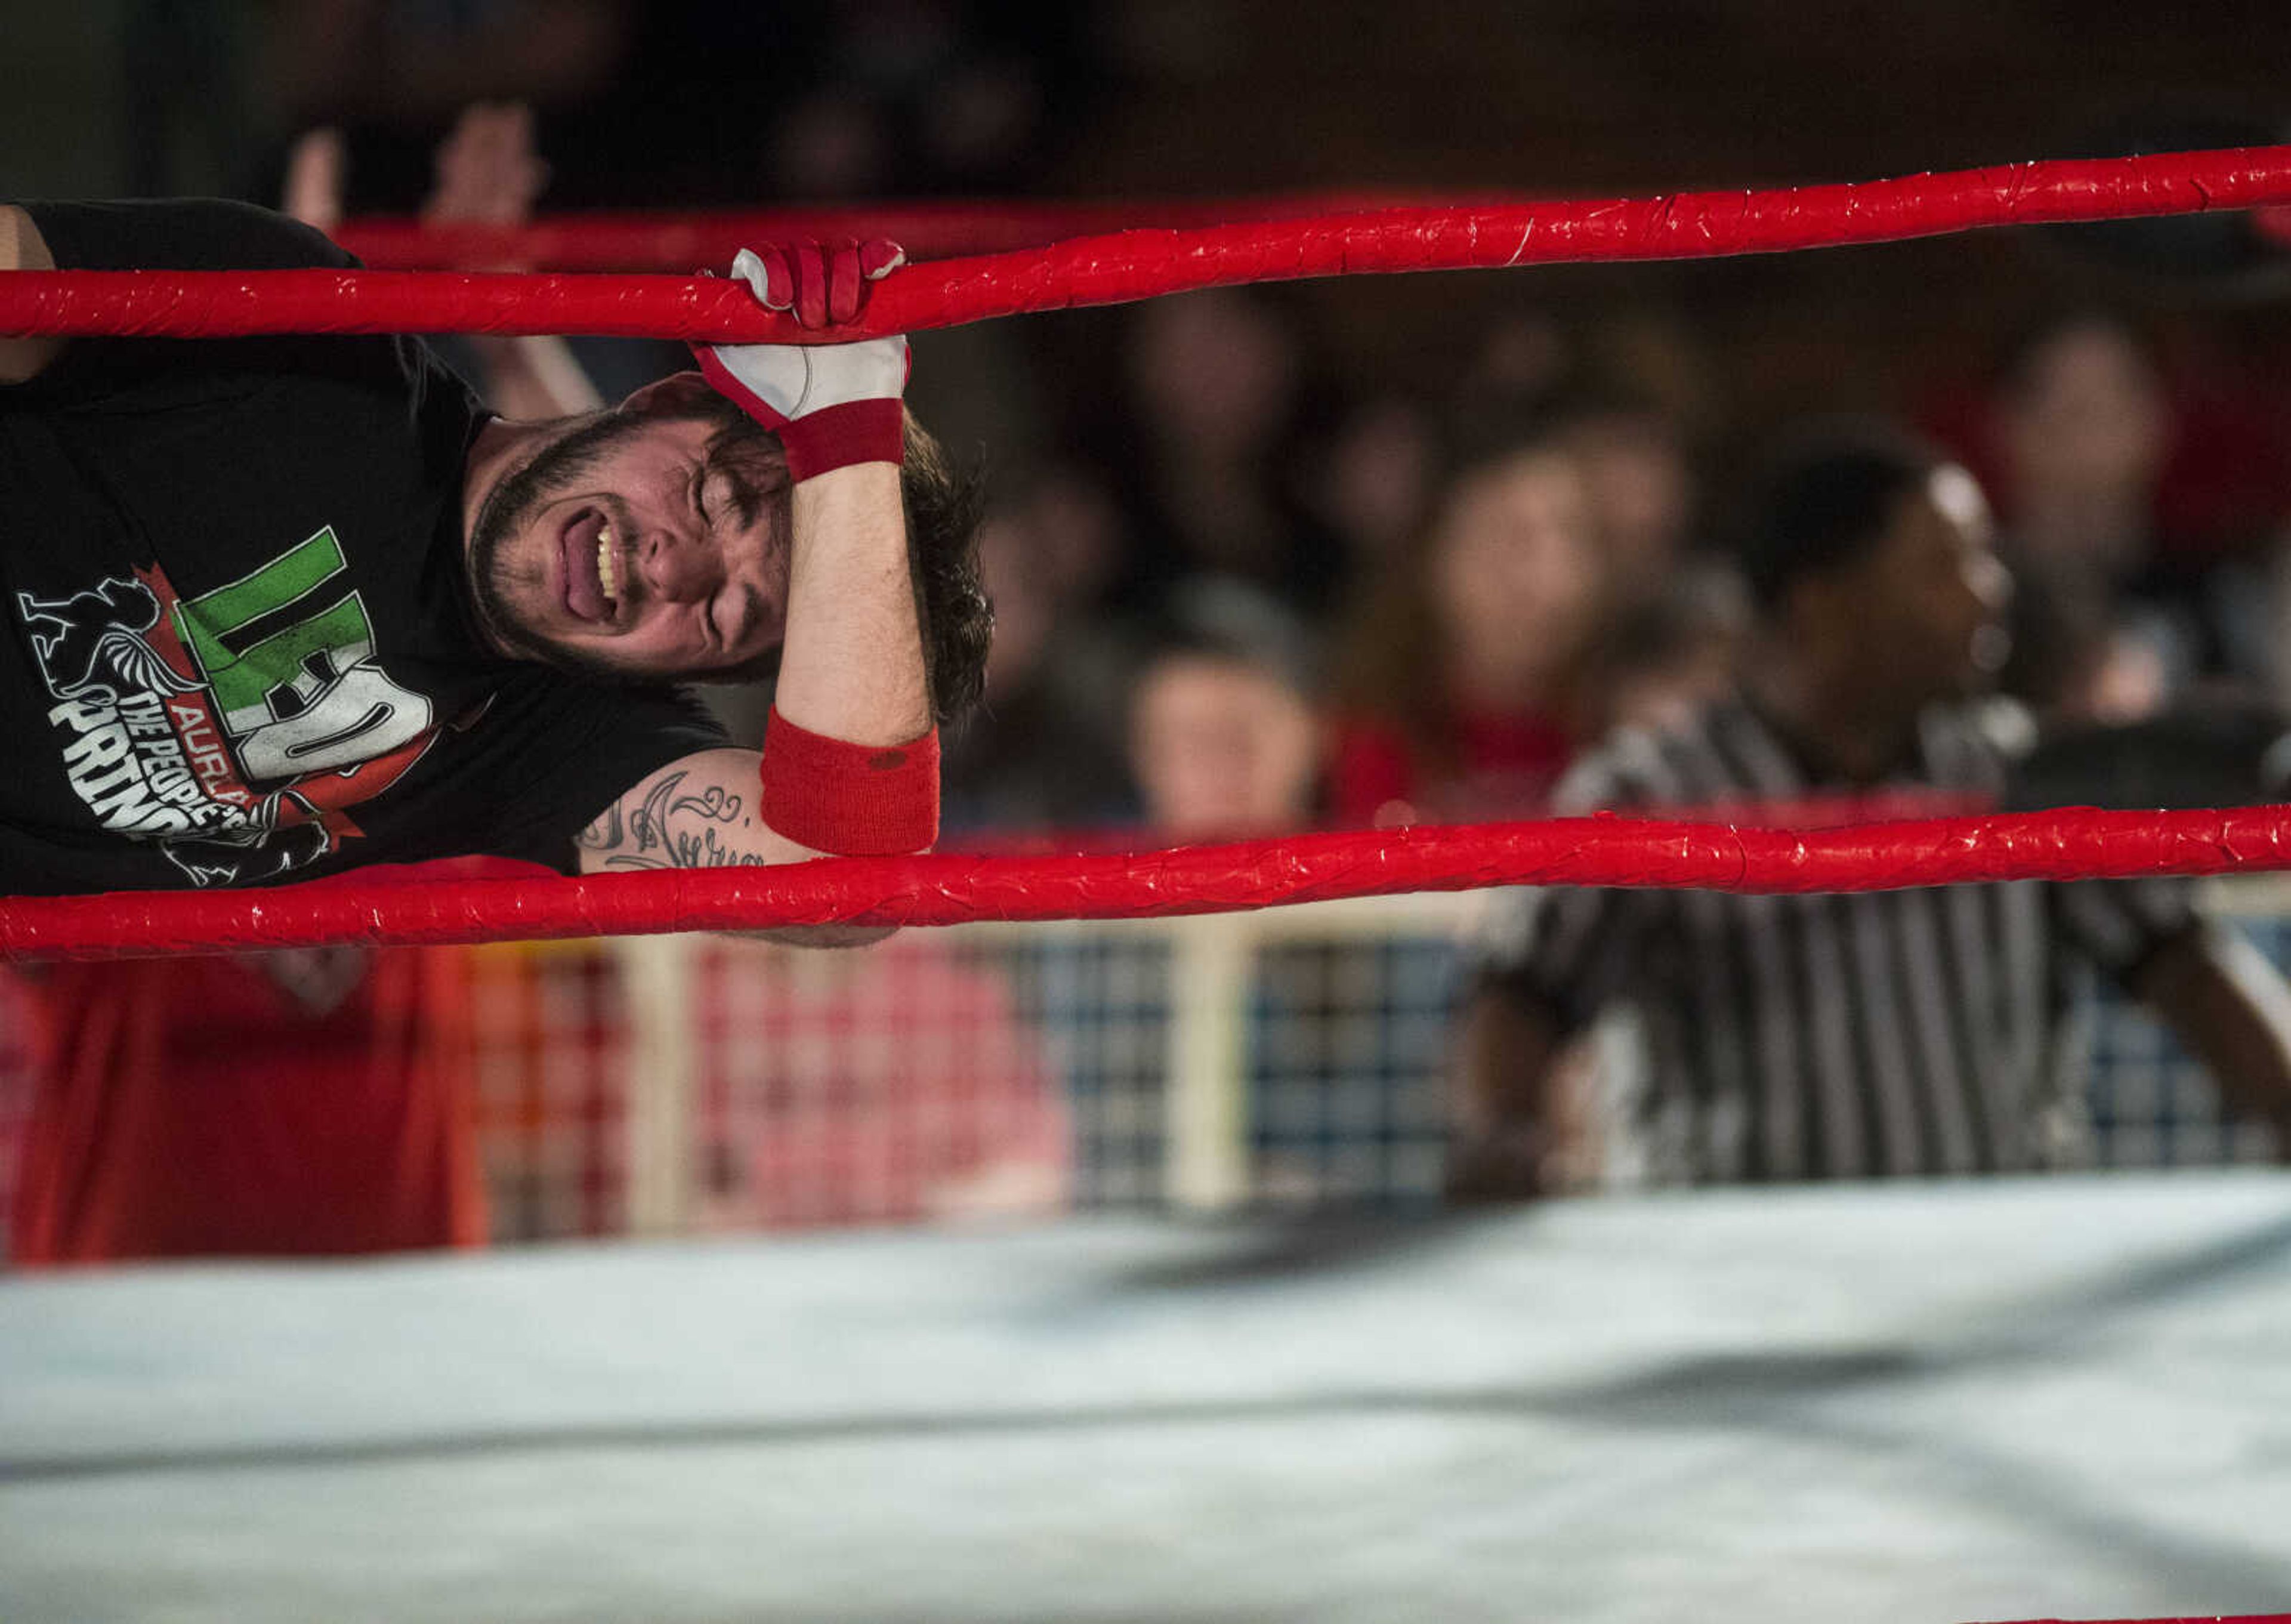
x: 317, y: 1101
x: 1505, y: 765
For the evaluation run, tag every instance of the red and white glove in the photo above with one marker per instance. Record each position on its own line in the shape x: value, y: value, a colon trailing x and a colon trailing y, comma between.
x: 821, y: 285
x: 830, y: 404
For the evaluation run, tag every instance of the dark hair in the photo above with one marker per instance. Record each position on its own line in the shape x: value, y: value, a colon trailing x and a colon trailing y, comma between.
x: 1219, y: 618
x: 1694, y: 606
x: 1471, y: 441
x: 1569, y: 411
x: 1826, y: 500
x: 944, y: 502
x: 2028, y: 344
x: 1389, y: 664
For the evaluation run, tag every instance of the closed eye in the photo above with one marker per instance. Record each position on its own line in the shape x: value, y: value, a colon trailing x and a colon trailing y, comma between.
x: 752, y: 610
x: 736, y: 489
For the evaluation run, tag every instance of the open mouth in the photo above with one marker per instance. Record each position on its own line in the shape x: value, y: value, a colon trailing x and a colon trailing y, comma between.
x: 589, y: 555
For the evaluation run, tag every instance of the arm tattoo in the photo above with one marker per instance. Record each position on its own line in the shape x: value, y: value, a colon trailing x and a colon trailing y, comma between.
x: 669, y: 829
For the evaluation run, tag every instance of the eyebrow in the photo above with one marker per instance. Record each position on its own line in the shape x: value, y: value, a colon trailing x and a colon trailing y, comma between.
x: 718, y: 458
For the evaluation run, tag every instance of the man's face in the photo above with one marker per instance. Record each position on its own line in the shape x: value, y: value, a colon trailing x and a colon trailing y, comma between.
x: 2089, y: 417
x: 1932, y: 596
x: 1221, y: 748
x: 637, y: 544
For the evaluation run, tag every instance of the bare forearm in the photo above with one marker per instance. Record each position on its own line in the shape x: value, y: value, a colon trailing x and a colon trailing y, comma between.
x: 532, y: 376
x: 701, y: 812
x: 2228, y: 1004
x: 852, y: 667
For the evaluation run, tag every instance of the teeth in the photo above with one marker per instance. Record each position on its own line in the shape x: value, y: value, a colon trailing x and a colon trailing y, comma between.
x: 605, y: 562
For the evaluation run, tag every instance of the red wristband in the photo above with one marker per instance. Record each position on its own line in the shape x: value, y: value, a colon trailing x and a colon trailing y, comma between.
x: 854, y: 800
x: 838, y: 436
x: 870, y: 431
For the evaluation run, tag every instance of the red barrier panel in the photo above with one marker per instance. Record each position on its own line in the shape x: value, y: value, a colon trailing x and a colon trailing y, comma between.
x: 1140, y: 264
x: 2070, y: 844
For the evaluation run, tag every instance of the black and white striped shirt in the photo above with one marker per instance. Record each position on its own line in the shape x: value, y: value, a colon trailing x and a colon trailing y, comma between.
x: 1825, y: 1036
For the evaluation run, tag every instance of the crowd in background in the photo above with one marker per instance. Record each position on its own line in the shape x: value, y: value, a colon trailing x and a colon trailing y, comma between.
x: 1250, y: 573
x: 1252, y: 569
x: 1304, y: 603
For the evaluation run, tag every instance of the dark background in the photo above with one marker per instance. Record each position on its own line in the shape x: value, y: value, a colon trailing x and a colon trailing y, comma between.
x: 672, y: 104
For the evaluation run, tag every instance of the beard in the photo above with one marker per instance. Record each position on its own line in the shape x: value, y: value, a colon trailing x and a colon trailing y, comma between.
x: 748, y: 457
x: 509, y: 509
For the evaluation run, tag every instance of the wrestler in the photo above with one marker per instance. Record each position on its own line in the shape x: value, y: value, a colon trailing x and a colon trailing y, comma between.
x: 285, y: 606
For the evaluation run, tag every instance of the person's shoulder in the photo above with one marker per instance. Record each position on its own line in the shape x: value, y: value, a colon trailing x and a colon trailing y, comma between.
x: 1623, y: 768
x: 181, y: 234
x: 1977, y: 740
x: 279, y: 242
x: 1647, y: 764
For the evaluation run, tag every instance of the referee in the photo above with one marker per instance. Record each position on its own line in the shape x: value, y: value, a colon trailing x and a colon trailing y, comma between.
x: 1885, y: 1034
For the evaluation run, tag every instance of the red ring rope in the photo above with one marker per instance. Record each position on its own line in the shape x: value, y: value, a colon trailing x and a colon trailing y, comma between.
x: 1131, y: 265
x: 2077, y: 843
x: 2062, y: 844
x: 640, y: 240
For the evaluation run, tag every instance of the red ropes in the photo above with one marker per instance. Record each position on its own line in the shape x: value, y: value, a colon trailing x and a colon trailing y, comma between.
x: 1104, y: 269
x: 2073, y: 844
x: 639, y: 239
x: 1128, y: 265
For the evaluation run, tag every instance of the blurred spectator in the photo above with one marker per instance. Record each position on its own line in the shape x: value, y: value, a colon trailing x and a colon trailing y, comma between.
x: 1043, y: 752
x: 681, y: 102
x: 1896, y: 1033
x: 487, y: 171
x: 918, y: 96
x: 1522, y: 360
x: 1662, y: 660
x: 1641, y: 482
x: 1215, y: 383
x: 1368, y: 485
x: 1224, y: 735
x: 418, y: 62
x: 387, y: 73
x: 2083, y: 426
x: 687, y: 102
x: 1226, y: 743
x: 1461, y: 683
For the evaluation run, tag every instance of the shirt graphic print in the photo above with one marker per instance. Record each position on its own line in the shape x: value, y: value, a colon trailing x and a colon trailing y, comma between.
x: 236, y: 728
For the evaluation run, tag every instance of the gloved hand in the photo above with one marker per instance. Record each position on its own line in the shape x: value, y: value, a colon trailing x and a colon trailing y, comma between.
x: 830, y: 404
x: 819, y: 283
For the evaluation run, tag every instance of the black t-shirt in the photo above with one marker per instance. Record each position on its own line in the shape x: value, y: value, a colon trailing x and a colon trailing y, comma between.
x: 238, y: 646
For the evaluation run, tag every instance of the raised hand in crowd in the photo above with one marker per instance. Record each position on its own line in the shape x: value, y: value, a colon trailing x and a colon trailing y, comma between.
x: 488, y: 172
